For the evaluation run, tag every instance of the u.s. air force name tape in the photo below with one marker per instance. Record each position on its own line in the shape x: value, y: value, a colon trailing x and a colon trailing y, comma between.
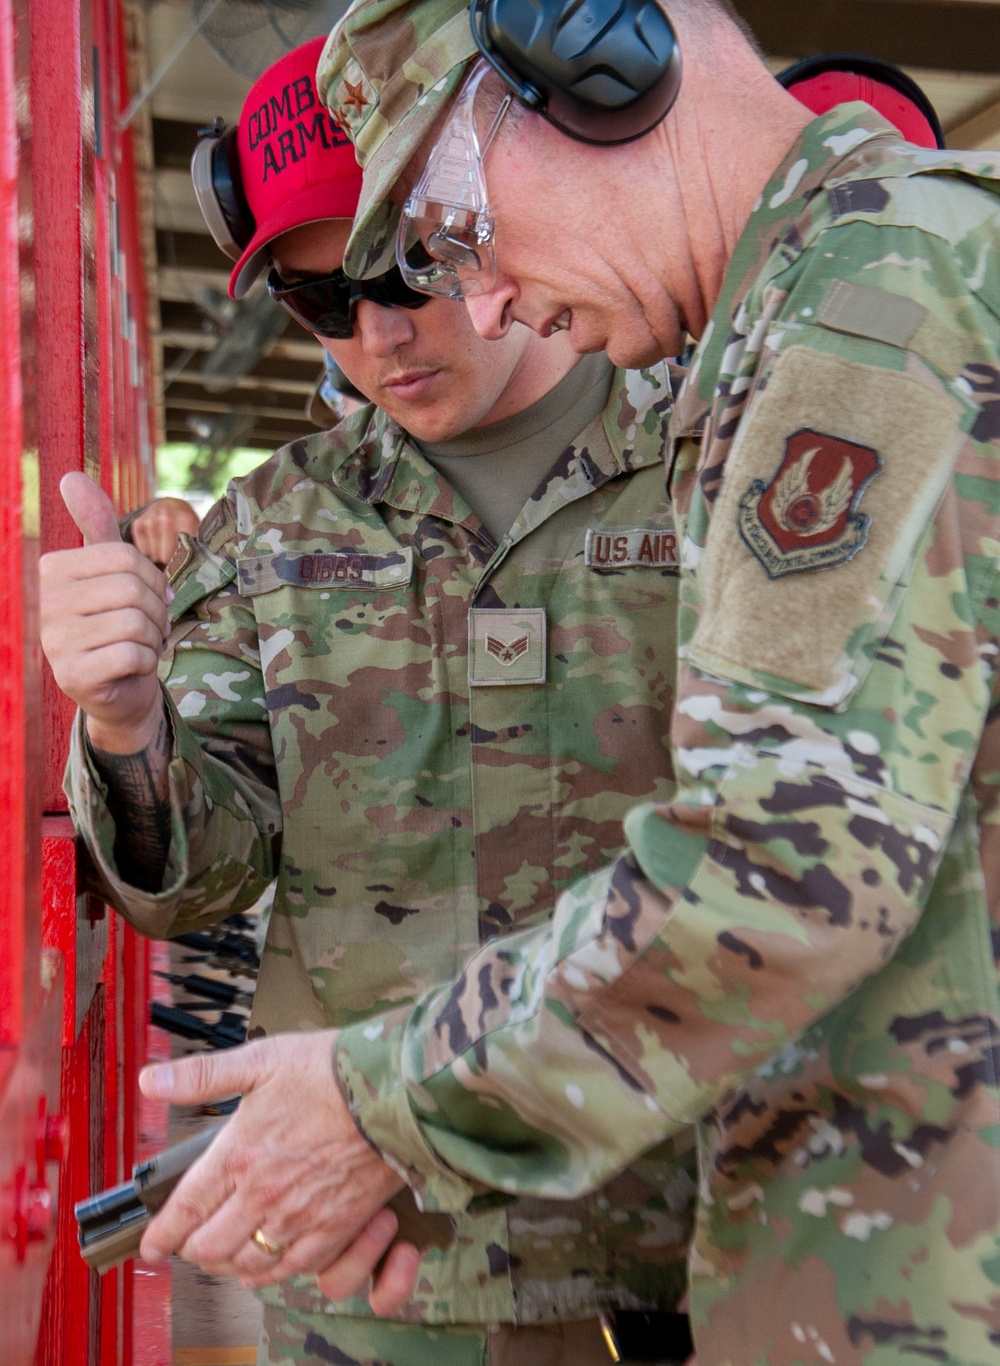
x: 631, y: 548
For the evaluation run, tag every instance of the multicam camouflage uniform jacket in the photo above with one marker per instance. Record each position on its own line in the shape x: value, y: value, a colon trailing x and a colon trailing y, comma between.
x: 444, y: 732
x: 796, y: 954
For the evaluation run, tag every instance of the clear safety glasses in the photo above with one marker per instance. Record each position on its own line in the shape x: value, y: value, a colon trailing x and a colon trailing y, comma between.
x: 444, y: 243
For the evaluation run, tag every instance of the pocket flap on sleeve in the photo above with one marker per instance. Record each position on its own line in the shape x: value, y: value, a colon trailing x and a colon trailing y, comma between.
x: 196, y: 572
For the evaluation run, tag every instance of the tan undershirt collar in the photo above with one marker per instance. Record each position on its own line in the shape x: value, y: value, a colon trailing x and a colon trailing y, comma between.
x: 497, y: 468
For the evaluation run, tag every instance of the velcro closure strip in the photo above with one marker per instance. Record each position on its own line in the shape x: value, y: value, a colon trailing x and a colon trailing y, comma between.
x: 880, y: 315
x: 875, y: 313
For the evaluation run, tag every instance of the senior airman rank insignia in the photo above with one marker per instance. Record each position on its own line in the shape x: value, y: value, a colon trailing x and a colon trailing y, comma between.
x: 807, y: 517
x: 506, y: 648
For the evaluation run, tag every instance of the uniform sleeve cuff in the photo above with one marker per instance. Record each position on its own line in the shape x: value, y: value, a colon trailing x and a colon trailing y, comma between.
x: 87, y: 793
x: 125, y: 524
x: 368, y: 1063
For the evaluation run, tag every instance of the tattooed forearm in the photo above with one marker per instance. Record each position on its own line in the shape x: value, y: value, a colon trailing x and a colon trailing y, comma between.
x: 138, y: 800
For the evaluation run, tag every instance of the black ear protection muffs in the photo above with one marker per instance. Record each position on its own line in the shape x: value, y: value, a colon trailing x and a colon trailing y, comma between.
x: 601, y: 71
x: 215, y: 171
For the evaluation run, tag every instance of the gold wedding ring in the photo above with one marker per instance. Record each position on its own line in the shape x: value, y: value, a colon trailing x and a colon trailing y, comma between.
x: 261, y: 1240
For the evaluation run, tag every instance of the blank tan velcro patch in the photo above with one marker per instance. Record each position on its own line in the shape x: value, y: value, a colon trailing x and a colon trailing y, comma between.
x: 802, y: 629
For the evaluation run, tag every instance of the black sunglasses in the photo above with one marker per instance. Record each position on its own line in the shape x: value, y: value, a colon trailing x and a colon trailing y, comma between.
x: 325, y: 306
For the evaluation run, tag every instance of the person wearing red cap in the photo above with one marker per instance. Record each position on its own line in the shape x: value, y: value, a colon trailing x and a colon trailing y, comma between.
x: 278, y: 192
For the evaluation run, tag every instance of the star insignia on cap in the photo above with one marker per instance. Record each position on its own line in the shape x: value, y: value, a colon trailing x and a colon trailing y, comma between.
x: 355, y: 97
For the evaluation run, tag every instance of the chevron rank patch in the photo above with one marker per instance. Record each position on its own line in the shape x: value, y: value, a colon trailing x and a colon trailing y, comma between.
x: 506, y: 649
x: 807, y: 516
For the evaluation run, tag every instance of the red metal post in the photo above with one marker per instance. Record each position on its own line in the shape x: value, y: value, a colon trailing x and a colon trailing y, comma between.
x: 152, y: 1313
x: 62, y: 91
x: 30, y: 979
x: 114, y: 1169
x: 96, y: 416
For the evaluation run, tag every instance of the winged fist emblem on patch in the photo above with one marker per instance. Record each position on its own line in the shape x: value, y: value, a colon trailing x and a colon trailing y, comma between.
x: 807, y: 517
x: 508, y: 652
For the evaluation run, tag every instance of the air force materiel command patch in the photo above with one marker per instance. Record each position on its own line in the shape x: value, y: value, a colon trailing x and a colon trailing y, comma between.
x: 506, y: 648
x: 807, y: 517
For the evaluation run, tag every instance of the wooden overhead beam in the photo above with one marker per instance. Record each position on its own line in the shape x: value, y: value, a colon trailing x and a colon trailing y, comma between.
x: 189, y: 251
x: 263, y: 433
x: 185, y: 316
x: 255, y: 440
x: 981, y: 129
x: 943, y: 35
x: 254, y: 384
x: 173, y: 143
x: 188, y: 398
x: 178, y: 286
x: 262, y: 429
x: 298, y: 376
x: 292, y: 351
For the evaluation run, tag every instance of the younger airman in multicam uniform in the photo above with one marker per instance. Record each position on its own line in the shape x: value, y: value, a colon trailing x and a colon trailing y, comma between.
x: 455, y: 727
x: 425, y: 729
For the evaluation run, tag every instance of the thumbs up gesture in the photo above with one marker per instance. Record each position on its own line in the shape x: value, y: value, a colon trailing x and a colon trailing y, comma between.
x: 104, y: 619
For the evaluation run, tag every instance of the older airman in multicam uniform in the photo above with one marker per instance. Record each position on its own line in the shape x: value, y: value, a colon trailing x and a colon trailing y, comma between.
x: 443, y: 722
x: 797, y: 952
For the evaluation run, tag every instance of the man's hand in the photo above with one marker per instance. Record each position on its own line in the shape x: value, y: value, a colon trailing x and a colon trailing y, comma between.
x: 290, y: 1163
x: 103, y: 622
x: 154, y: 532
x: 390, y: 1280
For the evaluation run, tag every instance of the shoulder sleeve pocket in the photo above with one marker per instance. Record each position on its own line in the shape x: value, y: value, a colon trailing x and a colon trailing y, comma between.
x: 831, y: 485
x: 195, y: 573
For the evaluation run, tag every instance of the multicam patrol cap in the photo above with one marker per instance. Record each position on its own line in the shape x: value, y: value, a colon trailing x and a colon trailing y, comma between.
x: 386, y: 73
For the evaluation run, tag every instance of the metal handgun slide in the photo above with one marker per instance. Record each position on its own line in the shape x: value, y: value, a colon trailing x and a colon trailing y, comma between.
x: 111, y: 1224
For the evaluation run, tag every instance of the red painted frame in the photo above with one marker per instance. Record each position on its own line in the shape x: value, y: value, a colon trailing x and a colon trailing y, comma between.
x: 30, y: 978
x: 95, y: 415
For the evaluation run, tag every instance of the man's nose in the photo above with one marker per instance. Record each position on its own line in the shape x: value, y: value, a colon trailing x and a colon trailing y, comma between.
x: 492, y: 312
x: 382, y: 330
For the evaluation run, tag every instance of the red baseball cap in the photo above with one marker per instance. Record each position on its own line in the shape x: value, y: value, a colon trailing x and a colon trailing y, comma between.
x: 297, y: 166
x: 820, y: 83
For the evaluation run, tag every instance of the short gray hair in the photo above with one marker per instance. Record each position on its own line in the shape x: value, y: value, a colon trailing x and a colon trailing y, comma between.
x: 702, y: 9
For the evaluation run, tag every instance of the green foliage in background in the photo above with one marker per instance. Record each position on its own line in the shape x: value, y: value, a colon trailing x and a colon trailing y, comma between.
x: 183, y: 468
